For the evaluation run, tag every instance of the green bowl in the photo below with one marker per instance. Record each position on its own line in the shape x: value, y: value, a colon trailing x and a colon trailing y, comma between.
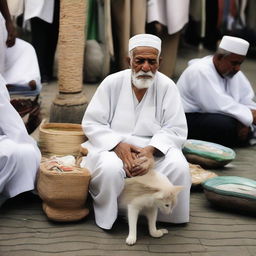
x: 207, y: 154
x: 231, y: 192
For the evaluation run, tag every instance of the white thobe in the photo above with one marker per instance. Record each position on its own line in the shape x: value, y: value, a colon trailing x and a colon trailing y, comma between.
x: 21, y: 67
x: 171, y: 13
x: 114, y: 116
x: 18, y: 64
x: 203, y: 90
x: 42, y: 9
x: 19, y: 154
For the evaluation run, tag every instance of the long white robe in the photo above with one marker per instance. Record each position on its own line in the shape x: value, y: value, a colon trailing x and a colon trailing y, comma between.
x: 203, y: 90
x: 19, y: 154
x: 42, y: 9
x: 18, y: 64
x: 21, y: 67
x: 171, y: 13
x: 114, y: 116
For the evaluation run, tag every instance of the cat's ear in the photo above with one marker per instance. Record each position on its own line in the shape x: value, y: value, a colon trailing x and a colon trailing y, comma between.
x: 177, y: 189
x: 159, y: 195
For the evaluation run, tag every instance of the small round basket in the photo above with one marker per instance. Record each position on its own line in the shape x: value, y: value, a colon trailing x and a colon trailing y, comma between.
x: 232, y: 192
x: 64, y: 194
x: 207, y: 154
x: 60, y: 138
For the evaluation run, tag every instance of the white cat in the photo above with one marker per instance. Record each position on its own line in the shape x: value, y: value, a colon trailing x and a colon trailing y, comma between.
x: 145, y: 195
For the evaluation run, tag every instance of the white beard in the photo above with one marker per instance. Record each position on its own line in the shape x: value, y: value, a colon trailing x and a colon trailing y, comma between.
x: 142, y: 83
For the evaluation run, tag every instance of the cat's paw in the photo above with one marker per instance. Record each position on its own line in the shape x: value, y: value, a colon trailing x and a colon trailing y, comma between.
x: 164, y: 230
x: 131, y: 240
x: 158, y: 232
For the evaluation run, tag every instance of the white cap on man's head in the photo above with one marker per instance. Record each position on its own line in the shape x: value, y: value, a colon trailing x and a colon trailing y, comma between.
x: 234, y: 44
x: 145, y: 40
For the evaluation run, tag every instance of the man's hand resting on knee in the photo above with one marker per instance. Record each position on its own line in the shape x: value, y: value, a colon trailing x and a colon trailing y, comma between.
x: 127, y: 153
x: 136, y: 160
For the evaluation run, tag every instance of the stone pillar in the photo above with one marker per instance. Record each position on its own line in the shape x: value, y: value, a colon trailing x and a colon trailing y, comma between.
x: 70, y: 103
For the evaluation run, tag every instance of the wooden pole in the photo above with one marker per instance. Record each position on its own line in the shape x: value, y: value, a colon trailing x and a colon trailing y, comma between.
x: 70, y: 103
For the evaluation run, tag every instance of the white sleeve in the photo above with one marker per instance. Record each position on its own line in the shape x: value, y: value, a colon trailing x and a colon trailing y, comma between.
x: 245, y: 91
x: 96, y: 120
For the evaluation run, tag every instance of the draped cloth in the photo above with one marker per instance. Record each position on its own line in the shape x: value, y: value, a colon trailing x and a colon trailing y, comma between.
x: 173, y: 14
x: 42, y: 9
x: 114, y: 116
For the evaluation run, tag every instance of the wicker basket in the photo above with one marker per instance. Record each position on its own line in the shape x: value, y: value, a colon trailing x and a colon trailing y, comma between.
x: 60, y: 138
x: 64, y: 193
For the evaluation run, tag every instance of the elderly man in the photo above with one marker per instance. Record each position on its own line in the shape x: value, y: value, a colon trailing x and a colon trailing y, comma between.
x: 137, y: 111
x: 19, y: 154
x: 218, y: 98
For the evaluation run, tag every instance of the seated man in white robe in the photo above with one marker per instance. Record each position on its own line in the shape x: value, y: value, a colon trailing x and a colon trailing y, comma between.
x: 19, y: 154
x: 139, y: 112
x: 18, y: 61
x: 218, y: 98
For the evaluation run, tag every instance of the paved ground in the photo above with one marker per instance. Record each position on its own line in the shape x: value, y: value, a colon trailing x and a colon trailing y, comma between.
x: 25, y: 230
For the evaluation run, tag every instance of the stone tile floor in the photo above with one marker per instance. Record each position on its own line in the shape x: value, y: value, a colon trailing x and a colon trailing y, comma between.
x: 25, y: 230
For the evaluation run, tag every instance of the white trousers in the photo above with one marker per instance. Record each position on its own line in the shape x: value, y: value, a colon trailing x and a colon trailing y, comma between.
x: 19, y: 164
x: 108, y: 181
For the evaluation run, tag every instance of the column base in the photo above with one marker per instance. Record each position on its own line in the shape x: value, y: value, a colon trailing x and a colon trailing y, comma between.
x: 68, y: 108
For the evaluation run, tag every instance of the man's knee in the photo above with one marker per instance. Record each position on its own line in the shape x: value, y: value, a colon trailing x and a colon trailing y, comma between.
x: 217, y: 123
x: 107, y: 176
x: 183, y: 173
x: 177, y: 167
x: 110, y: 167
x: 213, y: 127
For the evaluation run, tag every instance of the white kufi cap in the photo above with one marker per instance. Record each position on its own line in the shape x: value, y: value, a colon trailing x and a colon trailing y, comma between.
x: 145, y: 40
x: 234, y: 44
